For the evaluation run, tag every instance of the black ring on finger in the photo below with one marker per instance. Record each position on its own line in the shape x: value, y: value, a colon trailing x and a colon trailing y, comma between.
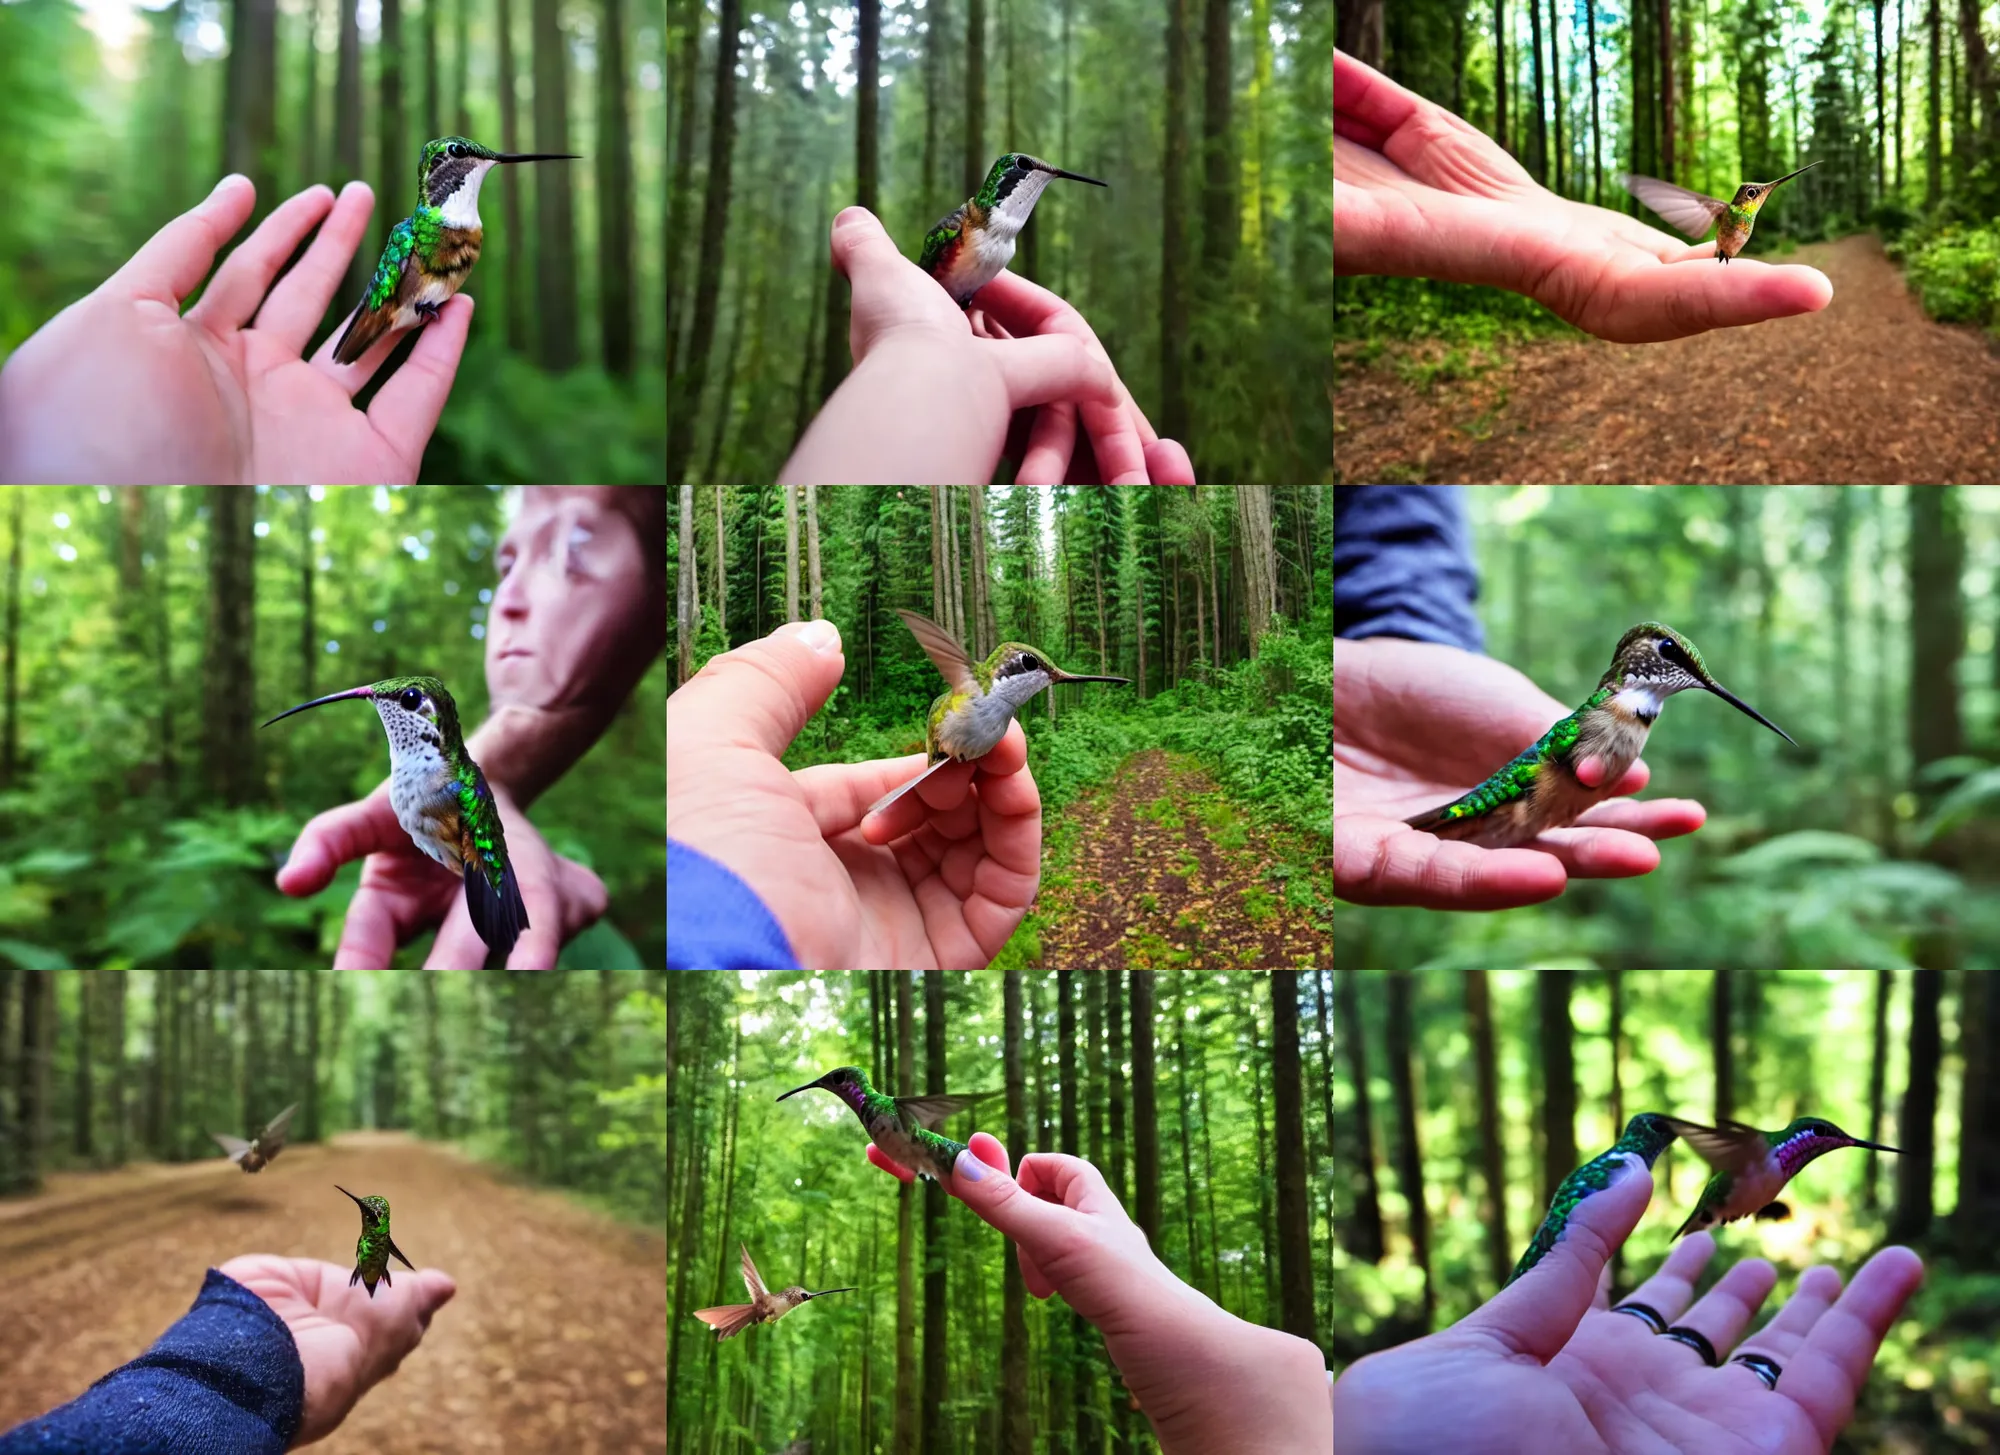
x: 1645, y: 1313
x: 1761, y: 1365
x: 1696, y: 1340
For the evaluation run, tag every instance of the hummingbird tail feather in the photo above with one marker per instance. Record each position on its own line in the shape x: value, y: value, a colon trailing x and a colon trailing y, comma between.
x: 728, y: 1319
x: 498, y: 914
x: 366, y: 326
x: 895, y: 793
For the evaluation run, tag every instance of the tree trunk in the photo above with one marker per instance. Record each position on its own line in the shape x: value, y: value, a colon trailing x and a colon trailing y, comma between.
x: 985, y: 634
x: 82, y: 1117
x: 1558, y: 1080
x: 685, y: 603
x: 1881, y: 123
x: 936, y: 1306
x: 1177, y: 1013
x: 393, y: 168
x: 1934, y: 156
x: 1218, y: 225
x: 1114, y: 1079
x: 461, y: 52
x: 1538, y: 132
x: 117, y: 1039
x: 309, y: 105
x: 10, y: 729
x: 1596, y: 116
x: 1295, y: 1273
x: 1409, y: 1148
x: 1145, y: 1116
x: 907, y: 1373
x: 1016, y: 1432
x: 1069, y: 1333
x: 1492, y: 1150
x: 520, y: 319
x: 555, y: 212
x: 613, y: 145
x: 791, y: 551
x: 1366, y: 1239
x: 228, y: 664
x: 681, y: 189
x: 250, y: 136
x: 1174, y: 257
x: 812, y: 547
x: 976, y: 160
x: 1917, y: 1136
x: 1555, y: 88
x: 1878, y: 1076
x: 1666, y: 49
x: 1500, y: 132
x: 1976, y: 1219
x: 721, y: 593
x: 1937, y: 624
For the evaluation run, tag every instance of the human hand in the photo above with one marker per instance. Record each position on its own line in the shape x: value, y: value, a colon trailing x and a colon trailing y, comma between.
x: 404, y: 891
x: 347, y: 1341
x: 1416, y: 725
x: 224, y: 393
x: 910, y: 342
x: 1545, y: 1365
x: 1206, y: 1379
x: 1420, y: 192
x: 966, y: 856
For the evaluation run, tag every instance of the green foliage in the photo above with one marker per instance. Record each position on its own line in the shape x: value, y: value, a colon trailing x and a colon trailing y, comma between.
x: 515, y: 423
x: 1955, y: 272
x: 1371, y: 310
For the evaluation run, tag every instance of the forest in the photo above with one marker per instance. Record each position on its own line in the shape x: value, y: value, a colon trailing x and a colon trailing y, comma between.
x: 148, y: 632
x: 1204, y: 271
x: 1895, y: 101
x: 1196, y: 1095
x: 115, y: 117
x: 1458, y: 1101
x: 516, y: 1123
x: 1203, y: 843
x: 1854, y: 617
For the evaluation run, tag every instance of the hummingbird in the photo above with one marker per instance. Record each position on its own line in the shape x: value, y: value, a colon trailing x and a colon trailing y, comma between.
x: 765, y: 1307
x: 375, y: 1247
x: 974, y: 241
x: 902, y: 1126
x: 1695, y: 212
x: 1644, y: 1137
x: 1540, y: 789
x: 968, y: 721
x: 442, y: 801
x: 430, y: 251
x: 1752, y: 1167
x: 252, y: 1155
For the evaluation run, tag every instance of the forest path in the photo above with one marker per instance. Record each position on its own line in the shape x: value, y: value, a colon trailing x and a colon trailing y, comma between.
x: 1165, y: 874
x: 1866, y: 390
x: 555, y: 1340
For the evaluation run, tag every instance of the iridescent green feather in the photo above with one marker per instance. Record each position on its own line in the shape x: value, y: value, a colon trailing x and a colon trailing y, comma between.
x: 940, y: 238
x: 395, y: 258
x: 1518, y: 776
x: 1645, y: 1137
x: 482, y: 820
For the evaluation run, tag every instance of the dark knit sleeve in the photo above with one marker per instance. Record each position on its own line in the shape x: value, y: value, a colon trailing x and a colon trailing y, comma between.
x: 1402, y: 565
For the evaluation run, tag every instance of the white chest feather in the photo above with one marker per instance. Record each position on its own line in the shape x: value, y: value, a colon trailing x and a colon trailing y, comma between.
x: 1641, y: 699
x: 461, y: 209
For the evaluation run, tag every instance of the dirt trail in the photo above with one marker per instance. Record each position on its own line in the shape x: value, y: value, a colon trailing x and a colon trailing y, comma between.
x: 1868, y: 390
x: 556, y: 1340
x: 1166, y: 875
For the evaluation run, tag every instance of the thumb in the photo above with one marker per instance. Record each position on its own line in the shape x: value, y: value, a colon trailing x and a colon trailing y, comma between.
x: 762, y: 693
x: 998, y: 1199
x: 351, y: 831
x: 1536, y: 1314
x: 879, y: 275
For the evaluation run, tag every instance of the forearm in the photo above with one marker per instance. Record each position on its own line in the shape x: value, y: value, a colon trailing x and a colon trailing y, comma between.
x: 949, y: 420
x: 526, y: 747
x: 1237, y: 1388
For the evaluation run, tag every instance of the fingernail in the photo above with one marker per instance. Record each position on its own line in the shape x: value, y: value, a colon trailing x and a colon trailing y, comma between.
x: 851, y: 217
x: 1623, y: 1170
x: 232, y: 177
x: 969, y: 1167
x: 821, y: 635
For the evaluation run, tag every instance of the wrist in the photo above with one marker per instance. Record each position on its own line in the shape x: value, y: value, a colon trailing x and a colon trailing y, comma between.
x: 1277, y: 1402
x: 946, y: 400
x: 524, y: 749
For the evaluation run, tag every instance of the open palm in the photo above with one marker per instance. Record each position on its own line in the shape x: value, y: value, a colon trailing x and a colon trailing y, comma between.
x: 1416, y: 725
x: 1419, y: 192
x: 1545, y: 1364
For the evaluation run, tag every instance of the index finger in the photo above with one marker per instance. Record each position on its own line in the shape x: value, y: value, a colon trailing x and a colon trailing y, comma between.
x: 332, y: 838
x: 175, y: 259
x: 406, y: 410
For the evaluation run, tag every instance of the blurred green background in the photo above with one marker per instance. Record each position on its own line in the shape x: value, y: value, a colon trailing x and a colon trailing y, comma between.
x: 1863, y: 619
x: 142, y: 815
x: 1909, y: 1054
x: 115, y: 115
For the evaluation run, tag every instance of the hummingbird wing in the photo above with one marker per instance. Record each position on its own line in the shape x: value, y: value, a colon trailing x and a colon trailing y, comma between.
x: 492, y: 889
x: 1731, y: 1147
x: 945, y: 654
x: 750, y: 1278
x: 234, y: 1146
x: 397, y: 1254
x: 1694, y: 213
x: 930, y: 1112
x: 377, y: 312
x: 728, y: 1319
x: 941, y: 242
x: 273, y: 1136
x: 1515, y: 779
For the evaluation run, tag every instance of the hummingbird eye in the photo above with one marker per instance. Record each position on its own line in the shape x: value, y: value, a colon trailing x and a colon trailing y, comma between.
x: 458, y: 148
x: 410, y: 698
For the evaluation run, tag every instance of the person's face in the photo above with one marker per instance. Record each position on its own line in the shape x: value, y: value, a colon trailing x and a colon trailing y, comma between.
x: 572, y: 587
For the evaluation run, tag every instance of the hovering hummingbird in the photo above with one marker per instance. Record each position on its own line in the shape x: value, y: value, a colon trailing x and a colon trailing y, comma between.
x: 765, y: 1307
x: 969, y: 720
x: 1540, y: 789
x: 430, y: 251
x: 1695, y: 212
x: 973, y: 242
x: 1752, y: 1167
x: 442, y: 801
x: 1645, y: 1137
x: 260, y: 1149
x: 375, y: 1247
x: 900, y: 1125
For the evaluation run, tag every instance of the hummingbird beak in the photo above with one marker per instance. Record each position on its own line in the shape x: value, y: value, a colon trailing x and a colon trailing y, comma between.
x: 317, y: 701
x: 1076, y: 177
x: 338, y: 1188
x: 825, y: 1291
x: 1789, y: 175
x: 1741, y: 706
x: 809, y: 1086
x: 1873, y: 1146
x: 539, y: 157
x: 1056, y: 674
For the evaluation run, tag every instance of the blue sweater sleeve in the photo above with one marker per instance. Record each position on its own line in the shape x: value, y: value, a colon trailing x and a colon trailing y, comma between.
x: 225, y: 1378
x: 1402, y: 565
x: 715, y: 921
